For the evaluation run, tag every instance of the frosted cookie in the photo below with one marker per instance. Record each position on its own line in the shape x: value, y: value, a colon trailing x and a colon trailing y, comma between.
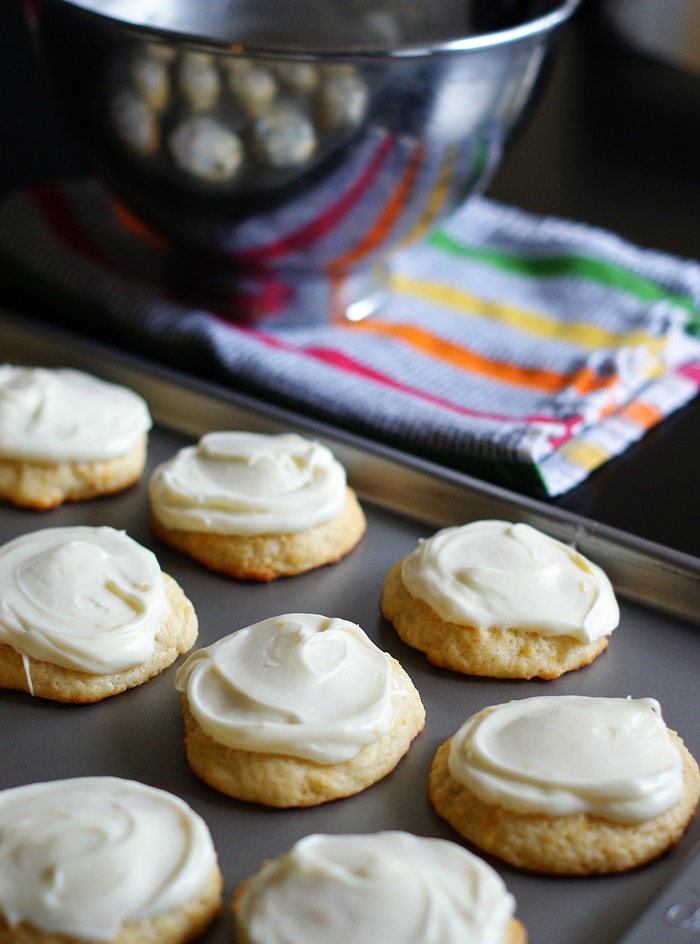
x: 391, y: 887
x: 67, y: 436
x: 151, y: 80
x: 205, y: 148
x: 504, y: 600
x: 567, y: 784
x: 199, y: 80
x: 284, y: 137
x: 295, y: 711
x: 342, y: 101
x: 256, y: 507
x: 135, y: 122
x: 86, y: 613
x: 253, y: 86
x: 104, y: 859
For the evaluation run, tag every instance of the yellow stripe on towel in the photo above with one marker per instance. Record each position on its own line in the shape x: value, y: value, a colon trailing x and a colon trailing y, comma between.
x: 585, y: 454
x: 589, y: 336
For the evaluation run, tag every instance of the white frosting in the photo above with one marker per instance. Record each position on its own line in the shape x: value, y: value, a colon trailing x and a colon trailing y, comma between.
x: 249, y: 483
x: 67, y: 416
x: 389, y: 887
x: 609, y: 757
x: 82, y: 857
x: 300, y: 684
x: 494, y: 574
x: 89, y: 599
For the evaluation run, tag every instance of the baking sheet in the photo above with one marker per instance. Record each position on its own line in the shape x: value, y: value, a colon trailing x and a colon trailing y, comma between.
x: 654, y: 652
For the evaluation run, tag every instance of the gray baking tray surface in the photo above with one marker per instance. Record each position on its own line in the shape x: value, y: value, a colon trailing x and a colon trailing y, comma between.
x: 654, y: 652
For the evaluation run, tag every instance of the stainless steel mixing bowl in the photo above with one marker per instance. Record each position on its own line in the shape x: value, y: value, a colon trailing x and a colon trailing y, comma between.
x: 284, y: 148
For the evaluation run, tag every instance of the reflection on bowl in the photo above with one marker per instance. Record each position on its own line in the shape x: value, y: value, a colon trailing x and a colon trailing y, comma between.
x: 284, y: 157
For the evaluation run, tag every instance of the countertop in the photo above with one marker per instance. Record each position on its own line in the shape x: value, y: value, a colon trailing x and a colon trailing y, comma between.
x: 614, y: 142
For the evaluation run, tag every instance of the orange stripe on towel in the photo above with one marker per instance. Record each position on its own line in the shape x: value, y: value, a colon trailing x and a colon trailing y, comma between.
x: 534, y: 378
x: 387, y: 218
x: 438, y: 196
x: 643, y: 414
x: 586, y: 380
x: 377, y: 235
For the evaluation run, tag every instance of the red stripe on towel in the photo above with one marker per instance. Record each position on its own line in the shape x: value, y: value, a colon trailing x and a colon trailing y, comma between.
x: 340, y: 361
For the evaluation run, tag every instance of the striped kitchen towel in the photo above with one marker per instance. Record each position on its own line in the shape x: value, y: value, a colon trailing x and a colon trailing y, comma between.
x: 527, y: 349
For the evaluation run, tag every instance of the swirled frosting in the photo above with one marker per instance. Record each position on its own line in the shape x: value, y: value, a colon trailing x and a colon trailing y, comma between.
x: 88, y: 599
x: 494, y: 574
x: 391, y: 887
x: 300, y: 684
x: 67, y: 416
x: 84, y: 856
x: 609, y: 757
x: 249, y: 483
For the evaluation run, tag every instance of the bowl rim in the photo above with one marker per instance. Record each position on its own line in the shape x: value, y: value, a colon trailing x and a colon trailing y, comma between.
x: 534, y: 28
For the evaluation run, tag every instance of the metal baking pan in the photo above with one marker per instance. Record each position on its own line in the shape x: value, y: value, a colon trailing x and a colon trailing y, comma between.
x: 138, y: 734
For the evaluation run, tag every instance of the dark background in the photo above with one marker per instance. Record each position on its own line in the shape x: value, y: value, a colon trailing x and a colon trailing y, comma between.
x: 614, y: 142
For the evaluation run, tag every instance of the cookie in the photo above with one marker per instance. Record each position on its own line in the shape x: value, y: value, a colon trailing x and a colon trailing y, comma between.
x: 387, y: 886
x: 256, y: 507
x: 86, y: 613
x: 104, y: 859
x: 567, y: 784
x: 504, y: 600
x: 67, y: 436
x: 295, y: 711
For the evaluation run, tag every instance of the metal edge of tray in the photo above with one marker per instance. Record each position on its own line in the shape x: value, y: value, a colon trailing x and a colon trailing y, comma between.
x: 640, y: 570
